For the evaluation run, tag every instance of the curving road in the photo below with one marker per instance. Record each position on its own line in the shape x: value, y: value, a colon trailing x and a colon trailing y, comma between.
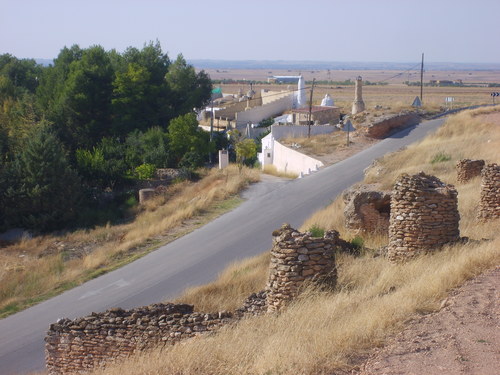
x: 195, y: 258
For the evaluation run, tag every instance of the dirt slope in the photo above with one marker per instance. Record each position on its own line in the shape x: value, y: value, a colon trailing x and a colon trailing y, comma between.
x: 462, y: 338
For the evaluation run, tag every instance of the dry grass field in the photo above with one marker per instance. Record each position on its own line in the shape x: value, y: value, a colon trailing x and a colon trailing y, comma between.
x: 326, y: 332
x: 36, y: 269
x: 394, y: 96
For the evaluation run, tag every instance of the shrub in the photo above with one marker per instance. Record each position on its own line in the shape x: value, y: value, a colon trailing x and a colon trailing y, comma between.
x: 316, y: 231
x: 145, y: 171
x: 358, y: 242
x: 440, y: 157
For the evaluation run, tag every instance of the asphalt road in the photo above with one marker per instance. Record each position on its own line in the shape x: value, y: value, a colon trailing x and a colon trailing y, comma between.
x: 195, y: 258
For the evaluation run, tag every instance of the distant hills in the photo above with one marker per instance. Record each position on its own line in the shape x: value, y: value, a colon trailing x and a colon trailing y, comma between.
x: 324, y: 65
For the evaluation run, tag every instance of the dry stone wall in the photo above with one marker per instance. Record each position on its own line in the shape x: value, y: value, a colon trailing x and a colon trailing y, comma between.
x: 424, y: 216
x: 74, y: 346
x: 489, y: 206
x: 468, y: 169
x: 386, y: 126
x: 80, y: 345
x: 367, y: 209
x: 296, y: 258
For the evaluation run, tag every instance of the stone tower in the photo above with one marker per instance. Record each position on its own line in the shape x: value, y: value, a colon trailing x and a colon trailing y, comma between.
x: 358, y: 105
x: 297, y: 258
x: 424, y: 216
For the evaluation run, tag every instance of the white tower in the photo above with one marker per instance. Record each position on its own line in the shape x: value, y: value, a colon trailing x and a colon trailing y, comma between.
x: 300, y: 97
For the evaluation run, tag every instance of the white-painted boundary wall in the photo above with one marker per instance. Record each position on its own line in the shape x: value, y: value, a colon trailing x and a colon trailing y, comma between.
x: 271, y: 96
x: 294, y: 131
x: 287, y: 160
x: 257, y: 114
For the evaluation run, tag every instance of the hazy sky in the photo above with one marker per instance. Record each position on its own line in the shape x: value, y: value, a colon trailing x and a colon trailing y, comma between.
x: 322, y: 30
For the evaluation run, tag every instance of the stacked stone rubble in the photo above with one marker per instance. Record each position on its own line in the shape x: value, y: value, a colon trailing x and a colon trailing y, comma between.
x: 489, y: 206
x: 81, y: 345
x: 367, y: 209
x: 74, y: 346
x: 295, y: 258
x: 468, y: 169
x: 424, y: 216
x: 255, y: 304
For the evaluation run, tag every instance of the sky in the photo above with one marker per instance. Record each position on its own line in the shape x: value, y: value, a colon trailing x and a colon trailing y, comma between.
x: 308, y: 30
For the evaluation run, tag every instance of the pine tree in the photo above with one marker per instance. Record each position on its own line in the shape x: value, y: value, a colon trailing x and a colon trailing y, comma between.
x: 45, y: 192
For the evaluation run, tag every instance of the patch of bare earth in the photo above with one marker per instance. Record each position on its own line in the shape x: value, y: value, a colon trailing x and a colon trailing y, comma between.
x: 357, y: 143
x: 462, y: 338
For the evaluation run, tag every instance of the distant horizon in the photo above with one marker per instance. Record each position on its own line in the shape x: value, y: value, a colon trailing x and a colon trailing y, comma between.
x: 323, y: 64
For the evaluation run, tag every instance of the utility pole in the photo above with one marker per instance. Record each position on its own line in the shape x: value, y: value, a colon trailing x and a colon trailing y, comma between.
x: 309, y: 117
x: 422, y: 80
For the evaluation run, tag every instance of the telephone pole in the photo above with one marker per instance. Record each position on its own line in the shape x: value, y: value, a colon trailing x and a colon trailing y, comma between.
x: 309, y: 117
x: 422, y: 80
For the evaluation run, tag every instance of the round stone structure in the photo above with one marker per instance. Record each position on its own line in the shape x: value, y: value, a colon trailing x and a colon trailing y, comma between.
x: 424, y: 216
x: 489, y: 205
x: 468, y: 169
x: 296, y: 258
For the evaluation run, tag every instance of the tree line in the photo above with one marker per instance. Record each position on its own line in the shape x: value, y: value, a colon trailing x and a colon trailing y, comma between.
x: 92, y: 121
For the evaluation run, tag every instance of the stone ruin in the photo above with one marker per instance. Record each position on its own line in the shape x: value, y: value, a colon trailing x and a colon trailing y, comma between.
x: 83, y: 344
x: 489, y: 205
x: 367, y: 209
x: 146, y: 195
x: 468, y: 169
x: 296, y: 258
x: 73, y: 346
x: 358, y: 105
x: 424, y: 216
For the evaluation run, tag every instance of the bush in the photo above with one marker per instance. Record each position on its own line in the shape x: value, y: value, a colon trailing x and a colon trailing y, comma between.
x: 358, y: 242
x: 145, y: 171
x: 440, y: 157
x: 316, y: 231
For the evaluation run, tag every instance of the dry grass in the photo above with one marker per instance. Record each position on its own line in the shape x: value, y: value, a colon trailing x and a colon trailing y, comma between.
x: 326, y: 331
x: 271, y: 169
x: 319, y: 144
x: 322, y: 332
x: 35, y: 269
x: 231, y: 288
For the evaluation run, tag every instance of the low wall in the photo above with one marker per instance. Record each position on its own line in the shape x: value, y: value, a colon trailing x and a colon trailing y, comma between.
x: 383, y: 128
x: 294, y: 131
x: 257, y: 114
x: 82, y: 344
x: 290, y: 161
x: 270, y: 96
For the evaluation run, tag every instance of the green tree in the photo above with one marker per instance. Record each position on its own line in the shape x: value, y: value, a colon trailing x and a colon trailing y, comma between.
x: 131, y: 105
x: 185, y: 136
x: 86, y: 99
x: 53, y: 81
x: 246, y: 149
x: 104, y: 165
x: 190, y: 90
x: 141, y: 77
x: 45, y: 192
